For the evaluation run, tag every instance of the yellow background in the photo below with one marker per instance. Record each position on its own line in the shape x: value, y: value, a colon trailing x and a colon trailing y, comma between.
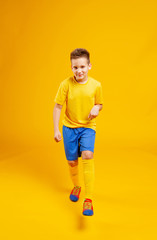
x: 35, y: 44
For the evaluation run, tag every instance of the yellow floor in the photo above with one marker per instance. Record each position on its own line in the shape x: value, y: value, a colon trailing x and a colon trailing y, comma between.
x: 35, y: 187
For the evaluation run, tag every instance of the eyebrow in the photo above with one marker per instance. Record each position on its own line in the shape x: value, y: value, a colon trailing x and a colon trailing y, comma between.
x: 80, y: 66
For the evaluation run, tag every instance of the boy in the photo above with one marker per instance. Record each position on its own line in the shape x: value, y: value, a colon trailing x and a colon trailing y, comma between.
x: 83, y: 97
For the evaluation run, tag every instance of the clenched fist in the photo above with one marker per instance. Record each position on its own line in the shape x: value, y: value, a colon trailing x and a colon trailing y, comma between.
x: 94, y: 112
x: 57, y: 136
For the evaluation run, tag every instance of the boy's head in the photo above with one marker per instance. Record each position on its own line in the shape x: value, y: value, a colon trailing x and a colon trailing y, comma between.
x: 80, y: 63
x: 80, y: 52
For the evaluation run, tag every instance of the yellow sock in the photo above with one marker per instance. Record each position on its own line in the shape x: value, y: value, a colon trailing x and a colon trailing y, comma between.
x: 74, y: 175
x: 89, y: 174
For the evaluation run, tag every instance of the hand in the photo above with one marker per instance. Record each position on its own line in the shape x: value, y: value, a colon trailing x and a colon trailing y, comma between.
x: 57, y: 136
x: 94, y: 112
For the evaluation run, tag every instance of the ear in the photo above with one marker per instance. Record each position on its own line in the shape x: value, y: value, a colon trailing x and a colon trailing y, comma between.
x: 90, y: 66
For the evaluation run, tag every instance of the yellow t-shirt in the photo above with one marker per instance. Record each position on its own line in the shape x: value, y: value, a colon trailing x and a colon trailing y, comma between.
x: 80, y: 98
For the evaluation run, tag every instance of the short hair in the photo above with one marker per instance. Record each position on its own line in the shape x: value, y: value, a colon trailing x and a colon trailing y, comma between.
x: 80, y: 52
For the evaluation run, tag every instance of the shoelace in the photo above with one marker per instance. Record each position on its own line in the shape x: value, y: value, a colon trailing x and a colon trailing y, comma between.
x: 87, y: 205
x: 76, y: 190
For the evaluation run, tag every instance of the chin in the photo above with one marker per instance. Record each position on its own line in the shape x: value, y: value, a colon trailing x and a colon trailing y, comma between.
x: 79, y: 78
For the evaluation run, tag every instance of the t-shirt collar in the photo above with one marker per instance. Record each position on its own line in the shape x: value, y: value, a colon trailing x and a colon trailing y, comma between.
x: 80, y: 83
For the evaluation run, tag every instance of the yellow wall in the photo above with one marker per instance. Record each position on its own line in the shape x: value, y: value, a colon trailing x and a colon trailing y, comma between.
x: 35, y: 44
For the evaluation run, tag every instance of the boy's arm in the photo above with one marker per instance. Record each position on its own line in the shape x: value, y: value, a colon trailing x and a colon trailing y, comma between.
x: 56, y: 116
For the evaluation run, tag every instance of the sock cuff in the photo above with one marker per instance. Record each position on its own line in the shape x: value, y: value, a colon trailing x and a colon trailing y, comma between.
x: 90, y: 160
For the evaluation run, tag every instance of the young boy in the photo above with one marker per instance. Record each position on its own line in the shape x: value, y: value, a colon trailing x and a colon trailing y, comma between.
x: 83, y: 97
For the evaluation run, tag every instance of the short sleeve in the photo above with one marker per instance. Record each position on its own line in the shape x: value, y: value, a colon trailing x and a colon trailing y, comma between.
x: 99, y: 95
x: 61, y: 93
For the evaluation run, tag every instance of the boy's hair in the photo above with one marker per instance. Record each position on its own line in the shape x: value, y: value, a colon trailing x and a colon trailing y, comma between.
x: 80, y: 52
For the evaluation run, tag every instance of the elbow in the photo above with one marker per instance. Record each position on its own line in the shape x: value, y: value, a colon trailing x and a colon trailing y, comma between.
x: 58, y: 106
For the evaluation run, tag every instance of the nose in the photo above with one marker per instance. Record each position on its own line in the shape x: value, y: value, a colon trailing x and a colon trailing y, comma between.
x: 78, y: 70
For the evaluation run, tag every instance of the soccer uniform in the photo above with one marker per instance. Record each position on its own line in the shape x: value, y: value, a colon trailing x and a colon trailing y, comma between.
x: 79, y: 131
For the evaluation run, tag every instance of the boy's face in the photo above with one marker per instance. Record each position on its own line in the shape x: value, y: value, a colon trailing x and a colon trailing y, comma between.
x: 80, y: 68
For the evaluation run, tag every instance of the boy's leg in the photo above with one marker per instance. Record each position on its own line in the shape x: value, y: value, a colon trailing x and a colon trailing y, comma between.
x: 88, y: 172
x: 73, y: 168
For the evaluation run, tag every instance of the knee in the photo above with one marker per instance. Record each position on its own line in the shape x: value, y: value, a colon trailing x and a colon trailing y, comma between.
x: 73, y: 163
x: 87, y: 154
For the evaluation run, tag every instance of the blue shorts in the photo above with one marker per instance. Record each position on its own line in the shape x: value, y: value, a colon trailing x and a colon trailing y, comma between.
x: 77, y: 140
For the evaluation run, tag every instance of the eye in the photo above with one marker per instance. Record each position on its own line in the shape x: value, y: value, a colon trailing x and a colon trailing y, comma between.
x: 82, y: 66
x: 74, y: 67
